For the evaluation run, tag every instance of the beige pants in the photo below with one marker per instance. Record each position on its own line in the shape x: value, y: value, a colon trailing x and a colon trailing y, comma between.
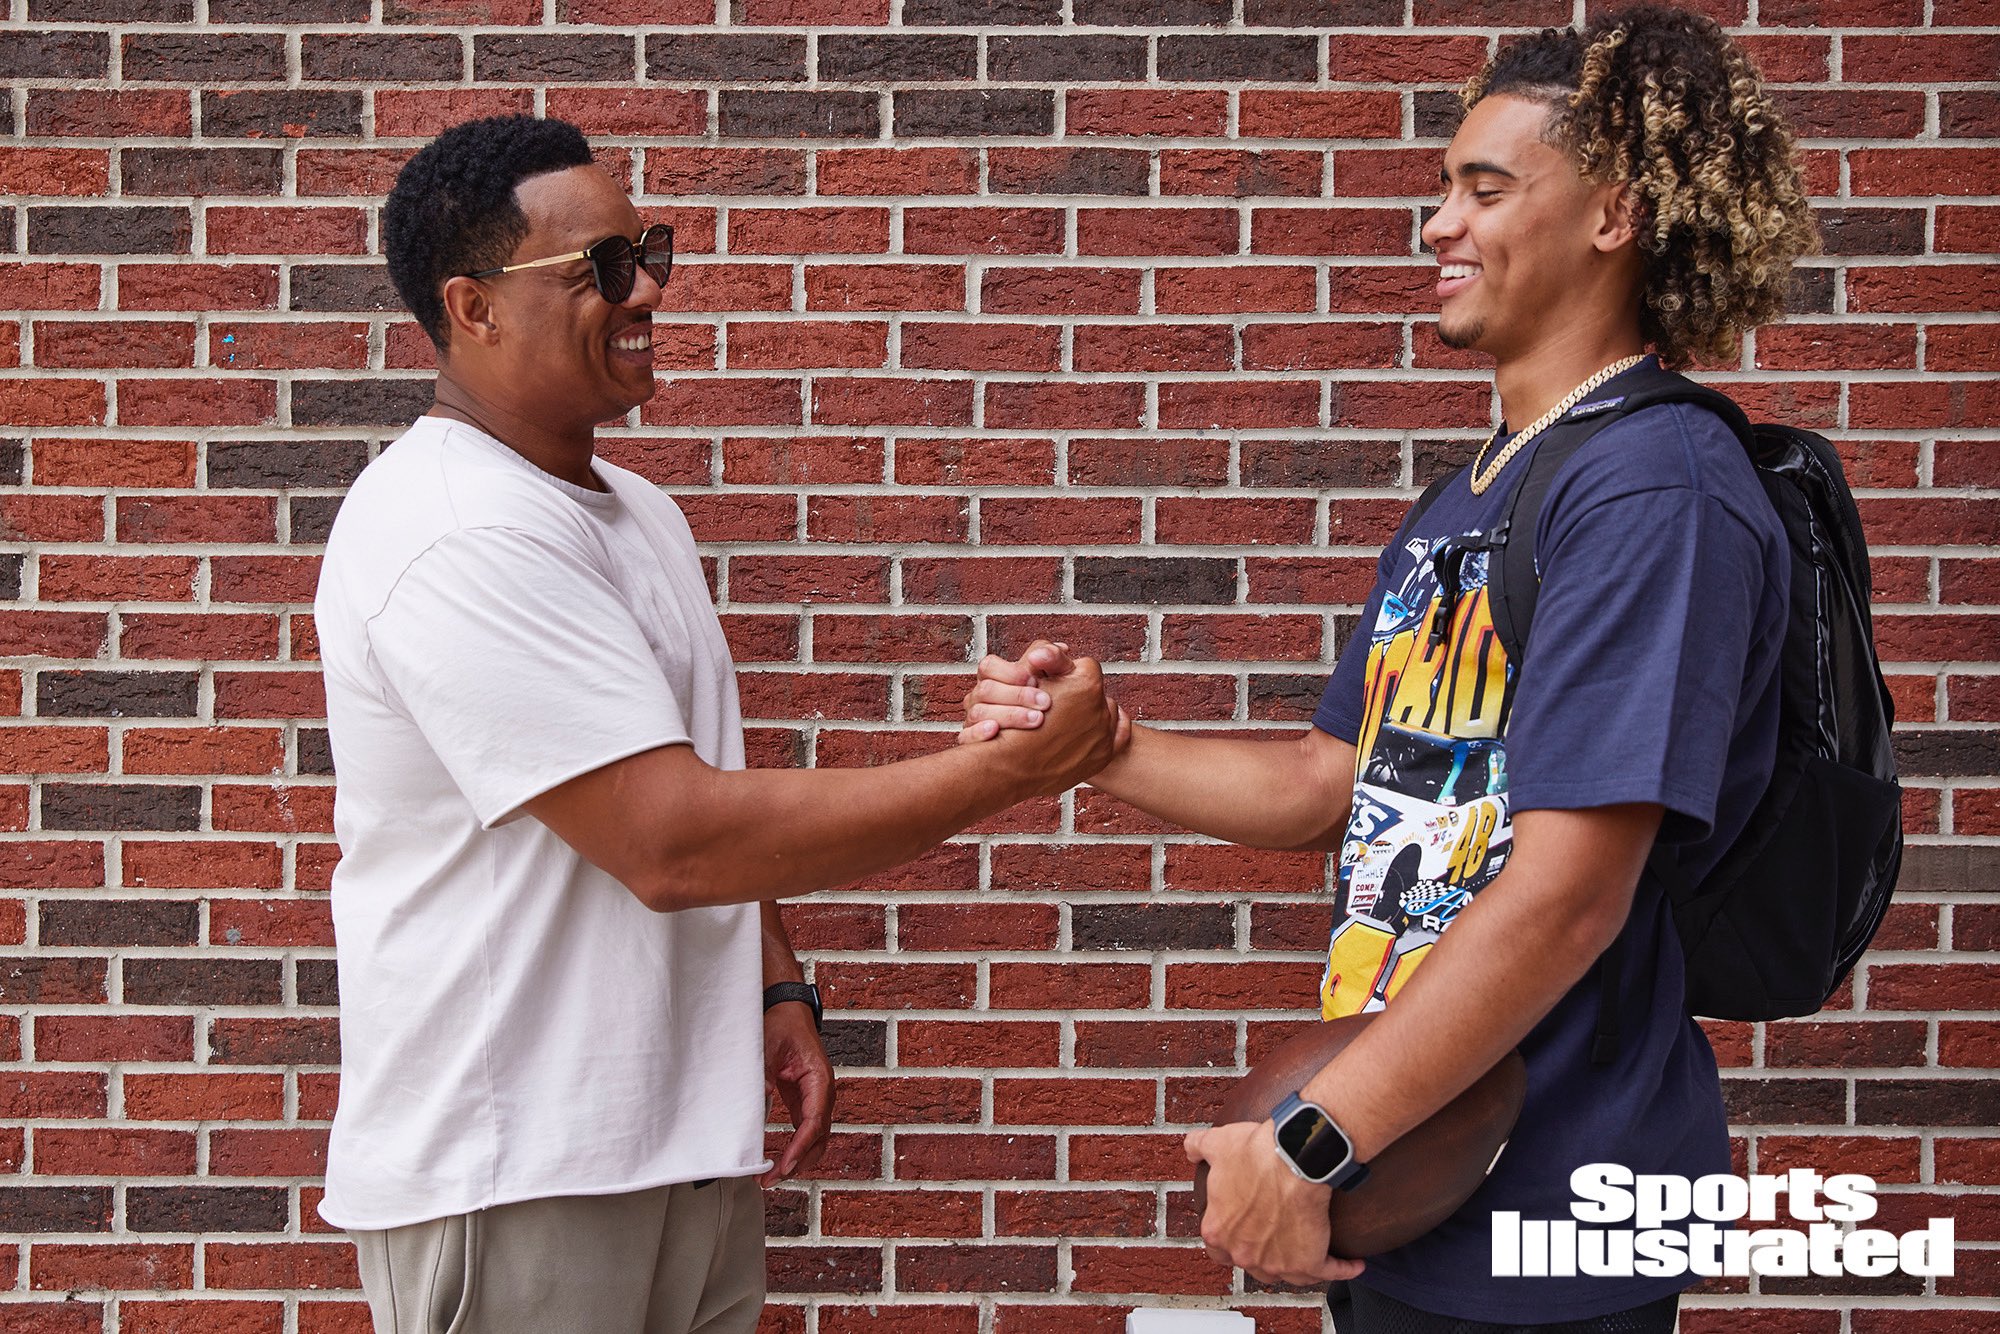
x: 670, y: 1260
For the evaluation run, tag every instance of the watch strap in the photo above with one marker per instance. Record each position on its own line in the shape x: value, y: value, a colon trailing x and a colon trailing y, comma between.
x: 804, y: 992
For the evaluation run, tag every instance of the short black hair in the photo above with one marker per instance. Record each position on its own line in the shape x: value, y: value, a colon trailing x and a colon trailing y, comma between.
x: 453, y: 209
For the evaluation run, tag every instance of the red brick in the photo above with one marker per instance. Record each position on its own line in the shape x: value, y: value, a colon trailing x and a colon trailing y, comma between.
x: 198, y: 635
x: 45, y: 401
x: 103, y: 1038
x: 1005, y: 520
x: 1918, y: 57
x: 106, y: 114
x: 1058, y: 405
x: 66, y: 578
x: 959, y: 1156
x: 916, y: 172
x: 1147, y: 1269
x: 1060, y: 291
x: 197, y: 402
x: 270, y: 1152
x: 241, y: 345
x: 1240, y: 173
x: 887, y: 518
x: 1157, y: 231
x: 127, y: 1266
x: 1134, y: 111
x: 1403, y: 58
x: 204, y: 1097
x: 1930, y: 287
x: 125, y: 1151
x: 1235, y: 289
x: 882, y: 401
x: 54, y: 750
x: 1316, y: 115
x: 204, y: 1317
x: 272, y: 808
x: 901, y: 1213
x: 724, y: 402
x: 280, y: 1265
x: 203, y: 865
x: 885, y: 287
x: 114, y: 344
x: 983, y: 231
x: 412, y: 114
x: 54, y: 171
x: 980, y: 347
x: 800, y: 344
x: 286, y: 231
x: 992, y: 1043
x: 808, y: 231
x: 197, y: 286
x: 649, y: 111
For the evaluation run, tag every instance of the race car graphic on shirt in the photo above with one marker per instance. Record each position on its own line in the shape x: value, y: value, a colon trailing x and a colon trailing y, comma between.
x: 1430, y: 822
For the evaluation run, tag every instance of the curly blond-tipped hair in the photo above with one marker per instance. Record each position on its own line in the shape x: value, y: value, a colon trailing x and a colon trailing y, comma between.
x: 1664, y: 100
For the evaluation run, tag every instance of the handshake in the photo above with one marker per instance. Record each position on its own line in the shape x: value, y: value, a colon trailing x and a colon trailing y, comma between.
x: 1047, y: 712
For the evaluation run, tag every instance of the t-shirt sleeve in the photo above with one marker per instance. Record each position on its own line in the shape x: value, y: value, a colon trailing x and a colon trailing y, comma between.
x: 521, y: 665
x: 1635, y: 661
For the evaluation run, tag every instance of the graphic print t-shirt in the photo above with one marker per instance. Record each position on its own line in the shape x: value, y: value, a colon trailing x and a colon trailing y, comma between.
x: 1649, y: 677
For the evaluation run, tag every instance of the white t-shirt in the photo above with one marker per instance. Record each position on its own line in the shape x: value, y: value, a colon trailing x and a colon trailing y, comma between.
x: 514, y: 1024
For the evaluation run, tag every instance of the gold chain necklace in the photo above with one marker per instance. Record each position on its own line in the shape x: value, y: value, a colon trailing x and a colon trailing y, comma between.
x: 1542, y: 423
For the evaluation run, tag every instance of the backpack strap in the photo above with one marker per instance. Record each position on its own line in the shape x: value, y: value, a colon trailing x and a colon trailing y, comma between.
x: 1517, y: 577
x: 1430, y: 495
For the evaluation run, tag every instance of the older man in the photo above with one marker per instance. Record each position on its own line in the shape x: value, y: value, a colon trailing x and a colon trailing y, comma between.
x: 550, y: 946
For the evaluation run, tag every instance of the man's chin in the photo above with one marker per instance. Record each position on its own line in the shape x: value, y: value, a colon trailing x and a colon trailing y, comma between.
x: 1463, y: 337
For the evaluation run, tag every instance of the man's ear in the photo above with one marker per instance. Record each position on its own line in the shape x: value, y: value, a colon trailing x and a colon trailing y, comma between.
x: 1617, y: 220
x: 468, y: 310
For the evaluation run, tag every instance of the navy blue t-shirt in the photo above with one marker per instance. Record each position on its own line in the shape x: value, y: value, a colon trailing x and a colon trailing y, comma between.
x: 1649, y: 676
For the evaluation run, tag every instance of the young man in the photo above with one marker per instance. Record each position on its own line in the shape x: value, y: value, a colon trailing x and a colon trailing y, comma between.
x: 550, y: 946
x: 1612, y: 191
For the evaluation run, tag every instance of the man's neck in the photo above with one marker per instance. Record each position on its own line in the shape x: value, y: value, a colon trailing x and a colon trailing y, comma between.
x: 560, y: 452
x: 1532, y: 383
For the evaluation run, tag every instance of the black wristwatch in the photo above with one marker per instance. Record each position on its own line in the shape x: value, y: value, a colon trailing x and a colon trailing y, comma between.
x: 780, y: 992
x: 1314, y: 1147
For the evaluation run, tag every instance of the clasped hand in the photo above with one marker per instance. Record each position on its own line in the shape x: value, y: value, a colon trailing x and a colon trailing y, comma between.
x: 1086, y: 729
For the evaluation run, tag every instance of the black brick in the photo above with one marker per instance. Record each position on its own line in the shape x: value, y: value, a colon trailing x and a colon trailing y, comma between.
x: 1847, y: 1285
x: 1927, y: 1102
x: 1264, y: 59
x: 897, y: 58
x: 1318, y: 463
x: 120, y: 922
x: 975, y: 112
x: 295, y: 11
x: 375, y: 57
x: 1289, y: 926
x: 298, y: 1040
x: 835, y: 115
x: 204, y: 57
x: 1082, y: 59
x: 315, y: 752
x: 1935, y: 868
x: 203, y: 982
x: 1204, y: 580
x: 110, y: 11
x: 1153, y: 926
x: 1969, y: 115
x: 370, y: 402
x: 981, y: 13
x: 55, y: 55
x: 1344, y: 626
x: 120, y: 806
x: 849, y: 1270
x: 206, y: 1208
x: 106, y: 694
x: 13, y: 462
x: 1071, y: 171
x: 109, y: 230
x: 1438, y: 113
x: 291, y: 114
x: 1323, y: 13
x: 1151, y: 13
x: 726, y: 58
x: 343, y: 287
x: 856, y: 1042
x: 317, y: 982
x: 10, y: 576
x: 65, y: 980
x: 311, y: 518
x: 569, y: 58
x: 1785, y: 1102
x: 202, y: 171
x: 1431, y: 459
x: 268, y: 464
x: 1811, y: 293
x: 785, y: 1213
x: 55, y: 1208
x: 1947, y: 753
x: 1871, y: 231
x: 1283, y: 697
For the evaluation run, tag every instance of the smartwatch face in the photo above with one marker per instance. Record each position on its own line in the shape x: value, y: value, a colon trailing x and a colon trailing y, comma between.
x: 1317, y: 1145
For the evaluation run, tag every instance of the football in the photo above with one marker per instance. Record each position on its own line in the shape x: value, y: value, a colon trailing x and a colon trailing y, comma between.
x: 1418, y: 1181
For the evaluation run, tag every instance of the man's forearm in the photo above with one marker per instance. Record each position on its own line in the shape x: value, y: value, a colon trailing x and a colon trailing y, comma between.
x: 780, y: 963
x: 1522, y: 943
x: 1293, y: 793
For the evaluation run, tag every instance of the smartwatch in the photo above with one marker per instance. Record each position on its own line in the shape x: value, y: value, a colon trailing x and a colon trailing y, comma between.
x: 1314, y: 1147
x: 780, y: 992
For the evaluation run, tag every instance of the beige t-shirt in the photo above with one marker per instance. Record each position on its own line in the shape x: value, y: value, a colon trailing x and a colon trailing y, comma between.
x: 514, y: 1023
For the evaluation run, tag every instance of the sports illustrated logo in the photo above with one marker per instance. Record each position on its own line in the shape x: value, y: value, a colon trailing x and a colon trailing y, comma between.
x: 1607, y: 1193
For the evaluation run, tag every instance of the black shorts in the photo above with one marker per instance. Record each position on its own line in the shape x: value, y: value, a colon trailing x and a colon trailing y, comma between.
x: 1362, y: 1310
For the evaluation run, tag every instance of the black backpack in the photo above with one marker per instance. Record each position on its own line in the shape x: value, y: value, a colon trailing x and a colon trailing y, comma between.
x: 1775, y: 927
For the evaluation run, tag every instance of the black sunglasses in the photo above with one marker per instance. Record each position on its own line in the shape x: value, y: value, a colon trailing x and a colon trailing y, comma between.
x: 614, y: 262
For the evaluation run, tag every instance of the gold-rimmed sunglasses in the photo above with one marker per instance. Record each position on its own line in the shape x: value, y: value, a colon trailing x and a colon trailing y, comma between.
x: 614, y: 262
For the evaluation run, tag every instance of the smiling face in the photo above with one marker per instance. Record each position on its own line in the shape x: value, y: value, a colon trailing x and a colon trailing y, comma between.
x: 563, y: 348
x: 1521, y: 238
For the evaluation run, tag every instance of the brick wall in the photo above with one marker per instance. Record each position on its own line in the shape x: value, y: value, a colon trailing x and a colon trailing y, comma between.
x: 1109, y: 323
